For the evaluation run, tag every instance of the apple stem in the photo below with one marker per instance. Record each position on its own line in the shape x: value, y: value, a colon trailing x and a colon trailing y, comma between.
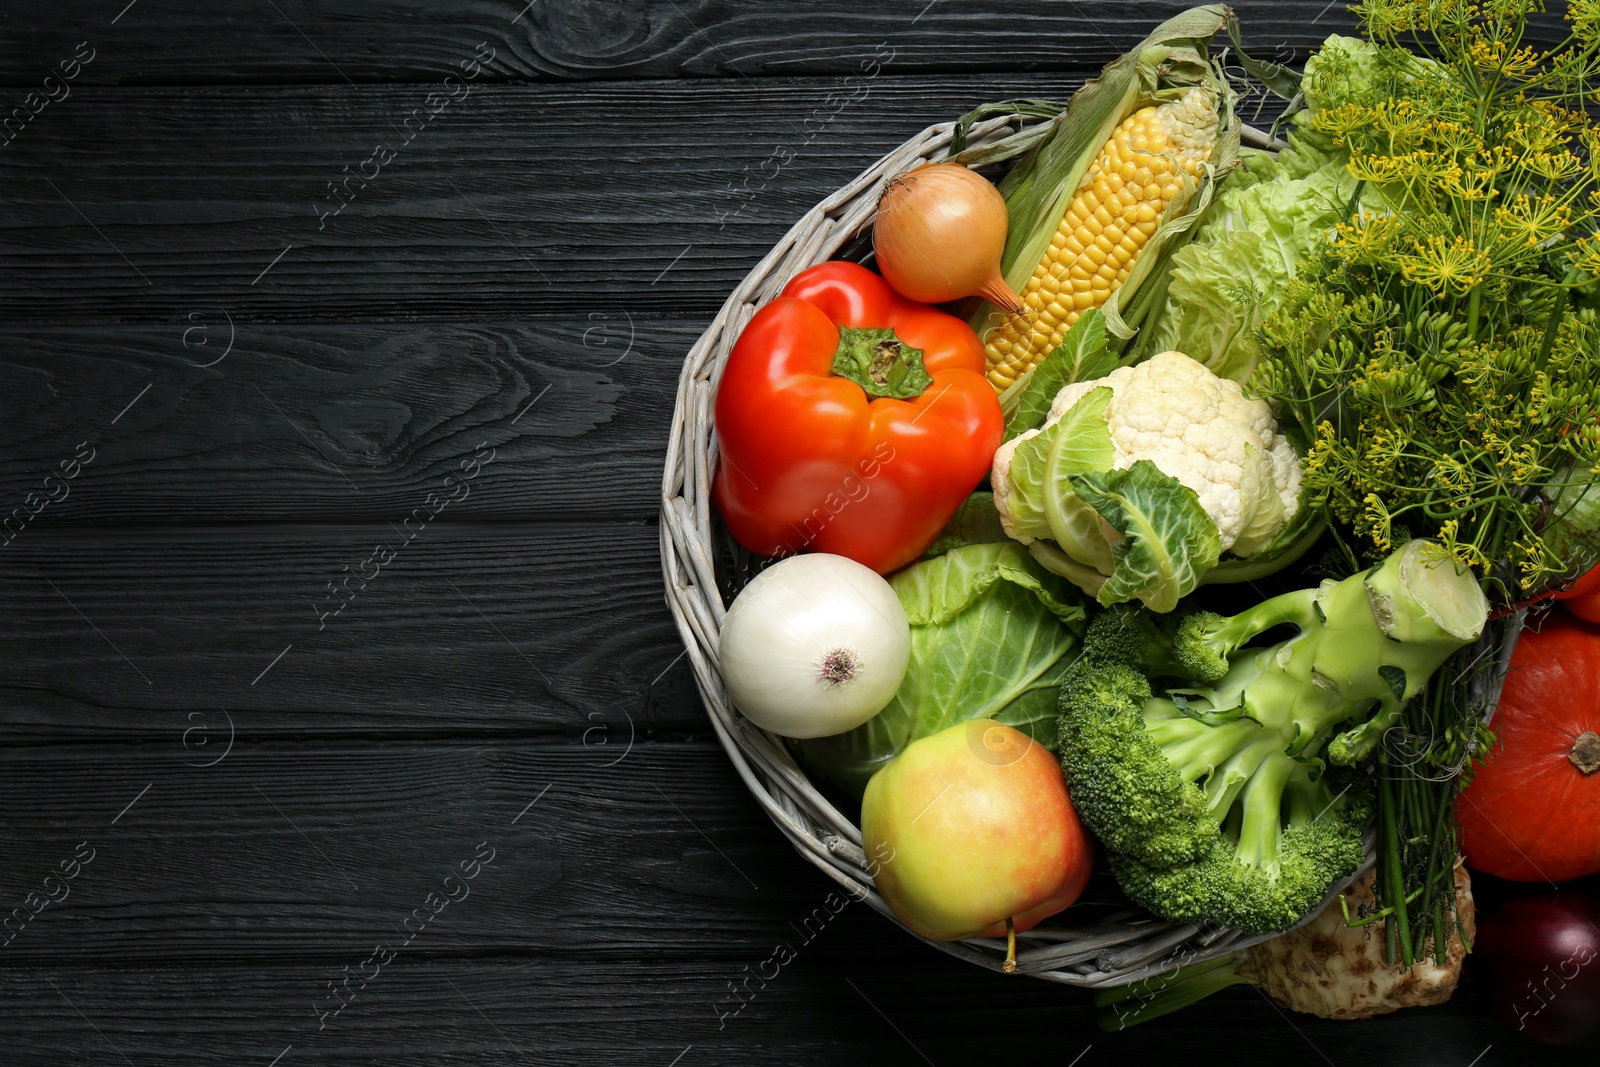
x: 1010, y: 966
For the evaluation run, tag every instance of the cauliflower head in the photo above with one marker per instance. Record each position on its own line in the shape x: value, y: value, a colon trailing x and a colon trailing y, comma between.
x: 1196, y: 427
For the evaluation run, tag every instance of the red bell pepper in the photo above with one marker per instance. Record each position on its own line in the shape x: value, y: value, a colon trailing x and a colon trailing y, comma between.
x: 851, y: 420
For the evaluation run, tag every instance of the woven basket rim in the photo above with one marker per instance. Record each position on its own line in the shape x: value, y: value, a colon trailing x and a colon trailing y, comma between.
x: 1111, y: 950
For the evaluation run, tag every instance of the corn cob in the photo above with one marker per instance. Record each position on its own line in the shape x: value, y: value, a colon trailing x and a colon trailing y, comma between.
x: 1115, y: 210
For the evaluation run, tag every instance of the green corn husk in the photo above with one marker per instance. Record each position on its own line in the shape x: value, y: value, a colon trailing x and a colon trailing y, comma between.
x: 1055, y: 157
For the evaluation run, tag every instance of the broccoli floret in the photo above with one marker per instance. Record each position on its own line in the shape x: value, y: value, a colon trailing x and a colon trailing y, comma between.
x: 1222, y: 889
x: 1354, y: 745
x: 1279, y: 869
x: 1213, y: 798
x: 1118, y: 767
x: 1199, y: 647
x: 1122, y: 634
x: 1127, y: 634
x: 1205, y: 641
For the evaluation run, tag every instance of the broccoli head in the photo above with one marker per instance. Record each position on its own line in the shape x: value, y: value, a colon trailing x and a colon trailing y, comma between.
x: 1278, y: 872
x: 1213, y: 794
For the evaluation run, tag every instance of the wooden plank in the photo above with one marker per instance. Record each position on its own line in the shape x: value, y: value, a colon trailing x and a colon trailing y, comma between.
x: 322, y: 849
x: 228, y: 897
x: 849, y: 998
x: 520, y: 202
x: 545, y: 630
x: 333, y: 422
x: 397, y: 41
x: 619, y: 928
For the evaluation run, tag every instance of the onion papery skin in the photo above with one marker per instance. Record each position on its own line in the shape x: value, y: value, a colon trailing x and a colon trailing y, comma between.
x: 778, y: 635
x: 939, y: 234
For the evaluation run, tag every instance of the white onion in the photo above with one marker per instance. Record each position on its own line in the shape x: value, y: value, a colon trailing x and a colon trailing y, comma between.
x: 815, y: 645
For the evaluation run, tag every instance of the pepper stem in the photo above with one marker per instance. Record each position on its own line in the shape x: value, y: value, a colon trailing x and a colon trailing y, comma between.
x: 881, y: 363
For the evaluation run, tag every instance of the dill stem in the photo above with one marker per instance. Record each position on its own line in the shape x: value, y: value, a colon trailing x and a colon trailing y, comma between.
x: 1397, y: 934
x: 1474, y: 299
x: 1551, y: 328
x: 1431, y: 897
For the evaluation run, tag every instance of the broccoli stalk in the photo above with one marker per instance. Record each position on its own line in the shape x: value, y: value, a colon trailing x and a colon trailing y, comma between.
x: 1212, y: 793
x: 1206, y: 641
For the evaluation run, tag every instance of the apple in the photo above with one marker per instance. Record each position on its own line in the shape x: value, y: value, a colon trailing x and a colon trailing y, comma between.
x: 974, y: 835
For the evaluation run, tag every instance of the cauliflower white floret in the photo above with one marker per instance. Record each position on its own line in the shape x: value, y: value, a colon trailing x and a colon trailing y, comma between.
x: 1194, y: 426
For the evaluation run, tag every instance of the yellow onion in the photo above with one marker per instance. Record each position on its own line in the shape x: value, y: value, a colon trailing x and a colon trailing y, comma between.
x: 939, y: 234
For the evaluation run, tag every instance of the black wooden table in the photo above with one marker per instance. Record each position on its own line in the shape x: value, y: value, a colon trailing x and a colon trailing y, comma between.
x: 342, y: 718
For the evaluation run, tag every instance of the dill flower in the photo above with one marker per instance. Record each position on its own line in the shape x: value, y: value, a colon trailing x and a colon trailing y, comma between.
x: 1446, y: 267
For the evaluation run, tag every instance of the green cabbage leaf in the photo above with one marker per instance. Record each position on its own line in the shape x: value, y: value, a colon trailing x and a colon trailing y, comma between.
x: 1130, y: 534
x: 1232, y: 275
x: 992, y: 634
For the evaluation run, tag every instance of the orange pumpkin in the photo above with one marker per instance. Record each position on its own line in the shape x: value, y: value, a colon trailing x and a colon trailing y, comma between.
x: 1532, y: 814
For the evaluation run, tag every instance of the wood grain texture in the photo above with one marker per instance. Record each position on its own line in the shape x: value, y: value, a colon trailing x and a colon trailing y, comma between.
x: 515, y: 203
x: 395, y: 41
x: 301, y: 849
x: 544, y: 630
x: 226, y: 898
x: 149, y: 615
x: 330, y: 422
x: 851, y: 997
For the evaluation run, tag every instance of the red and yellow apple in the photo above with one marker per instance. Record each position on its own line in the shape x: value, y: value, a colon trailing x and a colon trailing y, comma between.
x: 972, y: 827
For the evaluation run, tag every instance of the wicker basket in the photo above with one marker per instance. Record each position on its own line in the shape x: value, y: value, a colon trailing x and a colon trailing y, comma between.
x: 1106, y: 950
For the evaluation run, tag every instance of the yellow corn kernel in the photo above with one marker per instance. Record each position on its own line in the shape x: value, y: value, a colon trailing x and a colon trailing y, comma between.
x: 1116, y: 209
